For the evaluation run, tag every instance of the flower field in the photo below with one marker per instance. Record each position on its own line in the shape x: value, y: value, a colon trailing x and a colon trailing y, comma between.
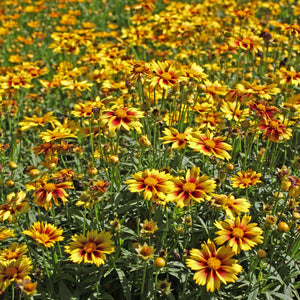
x: 149, y: 149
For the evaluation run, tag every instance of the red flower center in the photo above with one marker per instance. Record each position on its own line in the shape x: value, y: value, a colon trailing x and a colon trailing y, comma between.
x: 214, y: 263
x: 11, y: 272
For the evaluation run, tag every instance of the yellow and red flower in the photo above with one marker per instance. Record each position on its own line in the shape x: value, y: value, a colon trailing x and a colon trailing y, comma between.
x: 192, y: 187
x: 177, y: 139
x: 244, y: 179
x: 213, y: 266
x: 240, y: 235
x: 90, y: 248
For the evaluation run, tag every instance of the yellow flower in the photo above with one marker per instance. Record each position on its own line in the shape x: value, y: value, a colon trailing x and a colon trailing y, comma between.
x: 6, y: 233
x: 213, y: 266
x: 45, y: 234
x: 56, y: 134
x: 240, y: 235
x: 91, y: 248
x: 244, y: 179
x: 177, y: 139
x: 14, y: 252
x: 145, y: 251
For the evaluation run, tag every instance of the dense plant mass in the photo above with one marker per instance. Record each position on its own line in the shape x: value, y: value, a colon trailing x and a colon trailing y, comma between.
x: 149, y: 149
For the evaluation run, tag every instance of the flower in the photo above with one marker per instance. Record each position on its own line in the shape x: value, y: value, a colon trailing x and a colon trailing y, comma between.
x: 121, y: 117
x: 47, y: 192
x: 177, y: 139
x: 164, y: 286
x: 45, y: 234
x: 243, y: 179
x: 148, y: 227
x: 193, y: 186
x: 6, y: 233
x: 240, y: 235
x: 28, y: 287
x: 213, y: 265
x: 15, y: 270
x: 14, y: 252
x: 90, y: 248
x: 151, y: 183
x: 275, y: 130
x: 35, y: 121
x: 58, y: 133
x: 145, y: 251
x: 209, y: 145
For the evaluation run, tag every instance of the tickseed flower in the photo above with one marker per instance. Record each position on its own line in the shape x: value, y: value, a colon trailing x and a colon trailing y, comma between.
x: 213, y: 266
x: 240, y: 235
x: 209, y: 145
x: 151, y: 183
x: 288, y: 77
x: 56, y: 134
x: 145, y: 251
x: 177, y: 139
x: 122, y: 117
x: 192, y: 187
x: 31, y: 122
x: 14, y: 271
x: 164, y: 286
x: 244, y: 179
x: 166, y: 74
x: 230, y: 204
x: 14, y: 252
x: 28, y: 287
x: 6, y: 233
x: 47, y: 192
x: 45, y: 234
x: 148, y: 227
x: 90, y: 248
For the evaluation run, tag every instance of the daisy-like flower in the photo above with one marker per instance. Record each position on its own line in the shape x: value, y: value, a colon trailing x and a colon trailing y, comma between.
x: 275, y: 130
x: 166, y: 74
x: 14, y: 252
x: 45, y: 234
x: 148, y: 227
x: 6, y: 233
x: 164, y: 286
x: 28, y: 287
x: 288, y: 77
x: 192, y: 187
x: 35, y: 121
x: 47, y: 192
x: 121, y: 117
x: 16, y: 270
x: 213, y: 266
x: 90, y: 248
x: 151, y: 183
x: 56, y: 134
x: 209, y: 145
x: 145, y: 251
x: 244, y: 179
x: 230, y: 204
x: 240, y: 235
x: 177, y: 139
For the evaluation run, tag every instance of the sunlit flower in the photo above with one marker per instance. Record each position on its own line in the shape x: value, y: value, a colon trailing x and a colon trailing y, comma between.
x: 244, y: 179
x: 192, y: 187
x: 56, y: 134
x: 45, y: 234
x: 28, y: 287
x: 213, y: 266
x: 209, y: 145
x: 150, y: 183
x: 177, y: 139
x: 15, y: 270
x: 263, y: 109
x: 240, y: 235
x: 121, y: 117
x: 232, y: 110
x: 90, y: 248
x: 6, y: 233
x: 148, y: 227
x: 13, y: 252
x: 164, y: 286
x: 145, y: 251
x: 288, y: 77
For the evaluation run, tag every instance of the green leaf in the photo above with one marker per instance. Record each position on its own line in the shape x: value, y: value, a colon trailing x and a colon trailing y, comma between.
x: 64, y: 292
x: 124, y: 284
x: 253, y: 295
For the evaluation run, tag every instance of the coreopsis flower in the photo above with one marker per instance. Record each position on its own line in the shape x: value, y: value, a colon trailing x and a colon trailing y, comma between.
x: 15, y: 204
x: 45, y: 234
x: 192, y: 187
x: 209, y: 145
x: 244, y: 179
x: 195, y: 71
x: 240, y: 234
x: 122, y: 117
x: 288, y: 77
x: 247, y: 42
x: 177, y: 139
x: 292, y: 185
x: 213, y: 266
x: 28, y: 287
x: 14, y: 271
x: 58, y: 133
x: 251, y: 89
x: 145, y: 251
x: 164, y: 286
x: 148, y: 227
x: 151, y: 183
x: 46, y: 192
x: 230, y: 204
x: 263, y: 109
x: 6, y: 233
x: 275, y: 130
x: 210, y: 120
x: 166, y: 74
x: 90, y: 248
x: 213, y: 90
x: 87, y: 108
x: 232, y: 110
x: 14, y: 252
